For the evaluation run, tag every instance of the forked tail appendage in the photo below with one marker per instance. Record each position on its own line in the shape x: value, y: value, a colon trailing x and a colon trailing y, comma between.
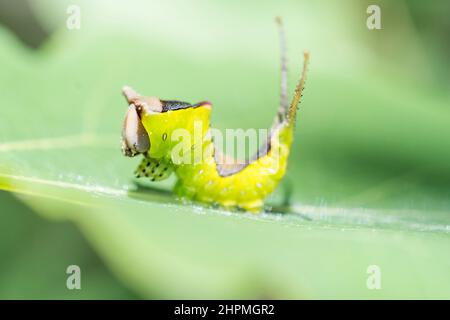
x: 298, y: 93
x: 287, y: 113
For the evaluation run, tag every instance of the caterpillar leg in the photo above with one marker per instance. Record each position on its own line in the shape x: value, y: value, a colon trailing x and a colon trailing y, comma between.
x: 255, y: 206
x: 287, y: 187
x: 155, y: 169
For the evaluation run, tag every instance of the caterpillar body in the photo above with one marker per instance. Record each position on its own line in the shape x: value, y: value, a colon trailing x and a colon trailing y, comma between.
x: 152, y: 128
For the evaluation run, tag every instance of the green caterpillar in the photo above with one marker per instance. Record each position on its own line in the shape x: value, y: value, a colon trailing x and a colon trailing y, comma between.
x: 152, y: 128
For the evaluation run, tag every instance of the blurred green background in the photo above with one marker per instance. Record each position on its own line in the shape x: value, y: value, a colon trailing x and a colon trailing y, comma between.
x: 370, y: 167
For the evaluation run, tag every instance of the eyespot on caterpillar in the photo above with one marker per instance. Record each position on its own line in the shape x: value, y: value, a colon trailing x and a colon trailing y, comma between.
x: 175, y: 137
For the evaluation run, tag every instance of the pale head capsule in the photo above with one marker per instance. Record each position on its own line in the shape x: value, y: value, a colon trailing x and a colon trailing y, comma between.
x: 135, y: 139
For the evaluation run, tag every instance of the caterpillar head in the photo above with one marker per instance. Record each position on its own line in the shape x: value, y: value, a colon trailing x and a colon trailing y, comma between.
x: 150, y: 123
x: 135, y: 138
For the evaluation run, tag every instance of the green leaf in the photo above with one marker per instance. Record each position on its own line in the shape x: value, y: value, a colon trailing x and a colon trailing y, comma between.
x: 369, y: 169
x: 34, y: 264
